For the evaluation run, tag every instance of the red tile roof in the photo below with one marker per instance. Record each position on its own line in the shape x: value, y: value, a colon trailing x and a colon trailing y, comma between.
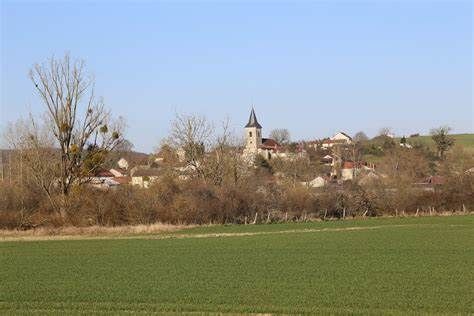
x: 104, y: 174
x: 348, y: 165
x: 435, y: 180
x: 268, y: 143
x: 122, y: 180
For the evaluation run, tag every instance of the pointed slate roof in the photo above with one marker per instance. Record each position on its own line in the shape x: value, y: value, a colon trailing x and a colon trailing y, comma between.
x: 253, y: 120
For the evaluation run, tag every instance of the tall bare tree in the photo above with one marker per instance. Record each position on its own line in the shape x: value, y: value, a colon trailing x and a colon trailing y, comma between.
x: 225, y: 165
x: 191, y: 135
x: 213, y: 154
x: 80, y: 127
x: 281, y: 136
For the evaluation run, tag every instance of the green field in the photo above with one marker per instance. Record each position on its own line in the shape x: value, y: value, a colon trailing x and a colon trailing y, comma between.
x: 464, y: 140
x: 377, y: 266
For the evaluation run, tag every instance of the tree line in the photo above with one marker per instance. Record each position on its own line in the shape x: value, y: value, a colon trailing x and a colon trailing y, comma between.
x: 204, y: 178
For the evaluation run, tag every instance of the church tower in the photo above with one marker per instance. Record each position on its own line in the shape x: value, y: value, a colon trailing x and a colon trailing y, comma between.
x: 253, y: 134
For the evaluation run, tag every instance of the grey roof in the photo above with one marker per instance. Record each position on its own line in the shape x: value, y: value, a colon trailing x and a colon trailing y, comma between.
x: 253, y: 120
x: 145, y: 171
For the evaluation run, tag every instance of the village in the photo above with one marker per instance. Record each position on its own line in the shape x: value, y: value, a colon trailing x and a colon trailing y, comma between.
x: 337, y: 161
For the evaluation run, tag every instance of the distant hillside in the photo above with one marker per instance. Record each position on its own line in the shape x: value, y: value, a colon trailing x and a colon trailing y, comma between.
x: 465, y: 140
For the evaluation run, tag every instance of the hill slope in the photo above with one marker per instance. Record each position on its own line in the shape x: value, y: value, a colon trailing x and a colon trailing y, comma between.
x: 465, y: 140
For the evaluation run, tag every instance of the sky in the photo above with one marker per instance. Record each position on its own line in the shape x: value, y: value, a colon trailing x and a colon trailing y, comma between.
x: 313, y: 67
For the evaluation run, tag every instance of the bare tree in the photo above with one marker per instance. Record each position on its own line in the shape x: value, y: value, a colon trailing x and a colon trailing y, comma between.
x: 385, y: 131
x: 225, y: 164
x: 281, y: 136
x: 294, y: 170
x: 82, y: 130
x: 35, y: 158
x: 191, y: 134
x: 360, y: 137
x: 124, y: 147
x: 211, y: 153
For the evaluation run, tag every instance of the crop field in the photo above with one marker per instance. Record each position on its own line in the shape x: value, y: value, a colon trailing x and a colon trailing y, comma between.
x: 375, y: 266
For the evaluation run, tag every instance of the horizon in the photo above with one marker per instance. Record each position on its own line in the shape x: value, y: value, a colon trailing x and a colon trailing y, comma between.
x: 312, y: 68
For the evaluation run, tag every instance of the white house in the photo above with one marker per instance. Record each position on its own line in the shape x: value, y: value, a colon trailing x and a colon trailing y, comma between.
x: 347, y: 171
x: 122, y: 164
x: 144, y: 176
x: 339, y: 138
x: 317, y: 182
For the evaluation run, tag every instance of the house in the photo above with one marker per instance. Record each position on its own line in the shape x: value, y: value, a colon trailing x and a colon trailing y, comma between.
x: 343, y: 137
x: 317, y: 182
x: 430, y: 183
x: 351, y: 169
x: 144, y: 176
x: 118, y: 172
x: 347, y: 170
x: 339, y: 138
x: 123, y: 164
x: 327, y: 160
x: 103, y: 179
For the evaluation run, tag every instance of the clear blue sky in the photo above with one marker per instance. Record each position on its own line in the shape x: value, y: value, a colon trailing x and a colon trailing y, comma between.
x: 312, y: 67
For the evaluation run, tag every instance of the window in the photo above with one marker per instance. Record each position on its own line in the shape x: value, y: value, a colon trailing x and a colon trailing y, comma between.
x: 250, y: 134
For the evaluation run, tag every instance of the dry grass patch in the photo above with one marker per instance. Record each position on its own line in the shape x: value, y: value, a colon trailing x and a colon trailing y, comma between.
x: 70, y: 232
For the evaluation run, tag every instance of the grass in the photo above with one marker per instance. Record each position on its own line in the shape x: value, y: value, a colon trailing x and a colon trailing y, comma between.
x: 464, y: 140
x: 70, y: 232
x: 378, y: 266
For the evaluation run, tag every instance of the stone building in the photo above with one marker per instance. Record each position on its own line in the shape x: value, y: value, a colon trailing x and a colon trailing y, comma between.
x: 255, y: 144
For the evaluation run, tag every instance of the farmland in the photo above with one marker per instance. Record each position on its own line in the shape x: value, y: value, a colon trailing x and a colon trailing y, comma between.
x: 379, y: 266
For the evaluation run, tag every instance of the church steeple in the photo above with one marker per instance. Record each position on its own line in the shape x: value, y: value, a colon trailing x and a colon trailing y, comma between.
x: 253, y: 134
x: 253, y: 120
